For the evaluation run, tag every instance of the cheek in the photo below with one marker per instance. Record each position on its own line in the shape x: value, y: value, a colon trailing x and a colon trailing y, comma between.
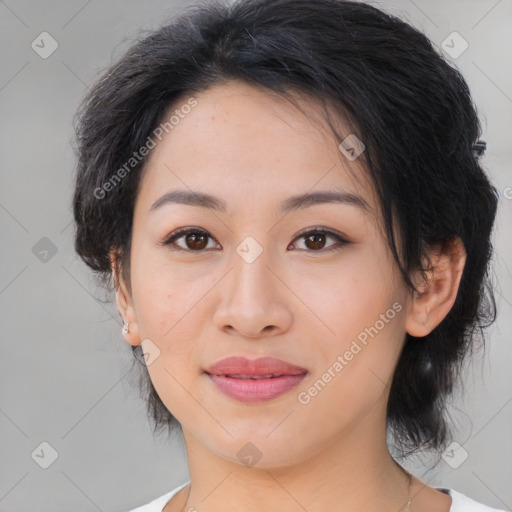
x: 356, y: 370
x: 166, y: 294
x: 171, y: 311
x: 347, y: 296
x: 362, y: 306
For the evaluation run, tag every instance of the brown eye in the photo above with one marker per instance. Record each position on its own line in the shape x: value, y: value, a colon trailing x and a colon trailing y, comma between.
x: 196, y: 240
x: 315, y: 240
x: 191, y: 239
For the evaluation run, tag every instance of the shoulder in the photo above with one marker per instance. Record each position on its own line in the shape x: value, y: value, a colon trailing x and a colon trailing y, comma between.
x: 159, y: 503
x: 463, y: 503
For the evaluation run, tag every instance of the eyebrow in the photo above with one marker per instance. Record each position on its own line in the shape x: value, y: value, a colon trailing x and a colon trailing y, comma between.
x: 297, y: 202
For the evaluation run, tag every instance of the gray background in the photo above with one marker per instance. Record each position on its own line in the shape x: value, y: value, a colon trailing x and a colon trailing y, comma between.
x: 64, y: 367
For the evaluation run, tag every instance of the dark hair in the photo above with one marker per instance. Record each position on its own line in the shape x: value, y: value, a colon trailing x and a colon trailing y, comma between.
x: 396, y: 92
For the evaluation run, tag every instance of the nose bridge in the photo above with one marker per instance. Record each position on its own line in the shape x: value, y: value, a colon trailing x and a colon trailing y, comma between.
x: 252, y: 254
x: 251, y: 277
x: 251, y: 300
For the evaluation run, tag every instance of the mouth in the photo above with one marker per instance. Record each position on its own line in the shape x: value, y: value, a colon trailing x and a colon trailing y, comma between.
x: 253, y: 381
x: 263, y: 367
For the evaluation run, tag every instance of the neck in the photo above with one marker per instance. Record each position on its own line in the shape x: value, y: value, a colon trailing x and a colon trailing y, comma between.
x: 353, y: 471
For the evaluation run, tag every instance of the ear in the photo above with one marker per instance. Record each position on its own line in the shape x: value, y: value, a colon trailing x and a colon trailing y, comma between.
x: 436, y: 296
x: 125, y: 303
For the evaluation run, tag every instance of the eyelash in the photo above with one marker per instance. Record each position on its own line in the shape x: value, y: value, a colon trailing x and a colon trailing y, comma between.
x: 181, y: 232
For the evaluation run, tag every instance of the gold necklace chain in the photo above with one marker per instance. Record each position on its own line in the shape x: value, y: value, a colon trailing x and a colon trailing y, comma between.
x: 409, y: 479
x: 407, y: 507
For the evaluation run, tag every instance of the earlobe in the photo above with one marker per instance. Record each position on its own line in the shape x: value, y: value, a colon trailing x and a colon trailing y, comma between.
x: 130, y: 332
x: 436, y: 296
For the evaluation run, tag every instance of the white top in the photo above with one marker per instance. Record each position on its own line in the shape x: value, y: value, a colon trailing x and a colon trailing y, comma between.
x: 460, y: 502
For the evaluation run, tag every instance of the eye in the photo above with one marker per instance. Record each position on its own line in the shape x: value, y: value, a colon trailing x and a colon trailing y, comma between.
x: 315, y: 240
x: 194, y: 239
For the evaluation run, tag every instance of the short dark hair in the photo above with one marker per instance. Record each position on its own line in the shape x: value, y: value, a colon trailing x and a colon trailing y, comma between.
x: 388, y: 82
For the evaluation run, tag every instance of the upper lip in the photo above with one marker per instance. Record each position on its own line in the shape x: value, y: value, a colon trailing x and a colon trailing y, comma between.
x: 260, y: 366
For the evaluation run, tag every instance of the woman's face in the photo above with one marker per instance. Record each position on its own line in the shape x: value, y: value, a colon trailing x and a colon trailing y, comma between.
x: 248, y: 285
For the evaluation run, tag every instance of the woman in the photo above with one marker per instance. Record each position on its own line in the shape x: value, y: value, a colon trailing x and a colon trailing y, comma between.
x: 288, y: 197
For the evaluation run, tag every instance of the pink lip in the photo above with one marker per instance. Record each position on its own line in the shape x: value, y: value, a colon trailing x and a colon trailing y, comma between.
x: 260, y: 366
x: 249, y: 390
x: 286, y: 376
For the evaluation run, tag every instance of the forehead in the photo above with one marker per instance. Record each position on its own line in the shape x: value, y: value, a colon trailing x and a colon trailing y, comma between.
x: 247, y: 141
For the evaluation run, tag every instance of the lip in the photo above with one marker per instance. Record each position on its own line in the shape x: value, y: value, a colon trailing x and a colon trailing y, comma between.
x: 253, y: 367
x: 228, y: 376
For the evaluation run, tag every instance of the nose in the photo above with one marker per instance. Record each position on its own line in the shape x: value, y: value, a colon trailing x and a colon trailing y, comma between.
x: 254, y: 301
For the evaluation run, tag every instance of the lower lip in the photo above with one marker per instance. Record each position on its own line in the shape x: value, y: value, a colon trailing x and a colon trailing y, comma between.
x: 256, y: 390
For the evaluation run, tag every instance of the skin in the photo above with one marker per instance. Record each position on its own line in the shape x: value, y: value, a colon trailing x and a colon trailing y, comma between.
x: 252, y: 149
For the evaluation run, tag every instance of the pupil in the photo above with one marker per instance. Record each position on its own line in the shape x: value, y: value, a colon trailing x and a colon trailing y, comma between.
x: 194, y: 237
x: 318, y: 240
